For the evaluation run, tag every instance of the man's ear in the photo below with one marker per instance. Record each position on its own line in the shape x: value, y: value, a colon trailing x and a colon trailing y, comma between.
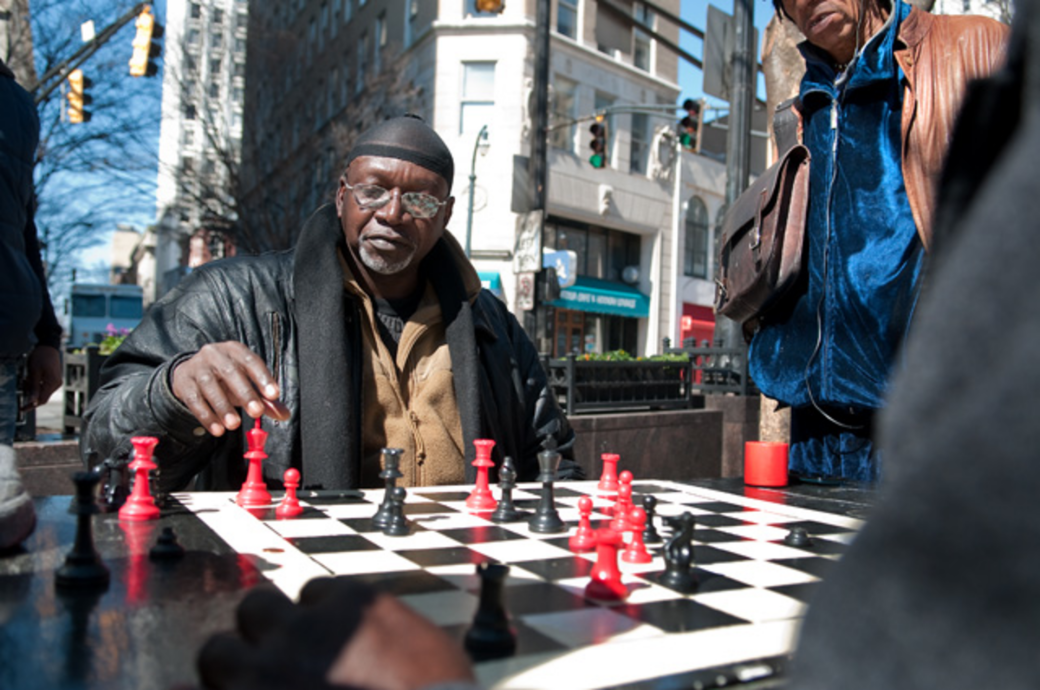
x: 448, y: 207
x: 341, y: 198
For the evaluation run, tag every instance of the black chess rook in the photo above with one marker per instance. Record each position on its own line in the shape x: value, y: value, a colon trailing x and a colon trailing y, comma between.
x: 491, y: 636
x: 390, y: 474
x: 83, y: 568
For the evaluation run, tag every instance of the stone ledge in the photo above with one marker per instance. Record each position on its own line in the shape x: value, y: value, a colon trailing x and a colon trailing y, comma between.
x: 46, y: 466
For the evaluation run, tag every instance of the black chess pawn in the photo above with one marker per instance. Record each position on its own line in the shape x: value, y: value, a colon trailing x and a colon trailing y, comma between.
x: 390, y: 474
x: 678, y: 555
x: 506, y: 511
x: 491, y: 636
x: 798, y: 537
x: 398, y: 525
x: 650, y: 533
x: 546, y: 520
x: 166, y: 548
x: 83, y: 568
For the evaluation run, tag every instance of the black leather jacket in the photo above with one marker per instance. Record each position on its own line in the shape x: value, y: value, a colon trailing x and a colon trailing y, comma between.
x: 290, y: 308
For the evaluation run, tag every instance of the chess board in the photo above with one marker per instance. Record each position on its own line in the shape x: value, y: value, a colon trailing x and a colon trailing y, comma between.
x: 752, y: 591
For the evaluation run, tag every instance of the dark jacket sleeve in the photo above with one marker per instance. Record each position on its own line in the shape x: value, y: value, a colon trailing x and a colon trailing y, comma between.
x: 135, y: 397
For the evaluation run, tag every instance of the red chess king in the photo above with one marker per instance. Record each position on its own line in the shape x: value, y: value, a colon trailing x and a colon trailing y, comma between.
x: 481, y: 499
x: 139, y: 504
x: 254, y: 491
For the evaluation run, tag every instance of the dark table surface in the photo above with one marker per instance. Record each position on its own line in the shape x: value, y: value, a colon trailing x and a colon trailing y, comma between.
x: 144, y: 630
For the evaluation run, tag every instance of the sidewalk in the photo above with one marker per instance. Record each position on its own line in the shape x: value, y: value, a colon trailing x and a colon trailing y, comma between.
x: 47, y: 463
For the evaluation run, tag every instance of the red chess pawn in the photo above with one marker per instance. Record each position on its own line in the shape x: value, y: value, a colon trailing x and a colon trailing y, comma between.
x: 139, y: 504
x: 636, y: 551
x: 608, y: 481
x: 623, y: 507
x: 254, y: 491
x: 585, y: 538
x: 606, y: 584
x: 481, y: 499
x: 290, y: 505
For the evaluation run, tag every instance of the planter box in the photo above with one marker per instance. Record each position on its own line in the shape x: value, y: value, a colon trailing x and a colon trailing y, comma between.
x: 82, y: 377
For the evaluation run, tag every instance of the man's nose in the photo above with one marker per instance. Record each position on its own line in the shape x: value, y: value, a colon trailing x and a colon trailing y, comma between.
x: 393, y: 210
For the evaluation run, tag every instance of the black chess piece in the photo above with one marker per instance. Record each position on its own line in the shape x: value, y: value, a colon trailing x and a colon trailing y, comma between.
x: 83, y: 567
x: 491, y: 636
x: 650, y: 534
x: 166, y: 548
x: 798, y: 536
x: 506, y: 511
x: 398, y: 525
x: 546, y: 520
x: 390, y: 474
x: 678, y: 555
x: 115, y: 482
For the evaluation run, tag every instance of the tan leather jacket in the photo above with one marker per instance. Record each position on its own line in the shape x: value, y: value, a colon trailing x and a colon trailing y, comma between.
x: 939, y: 54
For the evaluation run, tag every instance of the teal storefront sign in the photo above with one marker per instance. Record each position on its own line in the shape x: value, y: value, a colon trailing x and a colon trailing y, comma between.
x: 604, y: 297
x: 491, y: 281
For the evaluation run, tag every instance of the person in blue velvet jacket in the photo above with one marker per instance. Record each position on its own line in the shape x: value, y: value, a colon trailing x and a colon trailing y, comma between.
x: 882, y: 87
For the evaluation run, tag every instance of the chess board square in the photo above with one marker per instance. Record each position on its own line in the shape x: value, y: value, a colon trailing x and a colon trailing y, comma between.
x: 657, y: 489
x: 558, y: 568
x: 763, y: 517
x: 755, y: 605
x: 589, y: 626
x: 444, y: 495
x: 450, y: 607
x: 309, y: 513
x: 464, y: 576
x: 309, y: 528
x: 446, y: 521
x: 760, y: 573
x: 678, y: 615
x: 355, y: 562
x: 813, y: 565
x: 757, y: 532
x: 762, y: 550
x: 332, y: 497
x: 418, y: 539
x: 707, y: 581
x: 842, y: 538
x: 404, y: 582
x: 534, y: 596
x: 706, y: 555
x: 565, y: 492
x: 718, y: 520
x: 718, y: 506
x: 814, y: 528
x: 715, y: 536
x: 519, y: 550
x: 824, y: 546
x: 528, y: 640
x: 802, y: 591
x: 449, y: 556
x: 335, y: 543
x: 427, y: 508
x: 351, y: 511
x: 480, y: 534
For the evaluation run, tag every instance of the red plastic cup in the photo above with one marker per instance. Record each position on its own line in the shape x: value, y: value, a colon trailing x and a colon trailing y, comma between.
x: 765, y: 463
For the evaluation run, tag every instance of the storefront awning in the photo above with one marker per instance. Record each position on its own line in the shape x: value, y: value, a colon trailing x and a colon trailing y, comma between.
x: 604, y: 297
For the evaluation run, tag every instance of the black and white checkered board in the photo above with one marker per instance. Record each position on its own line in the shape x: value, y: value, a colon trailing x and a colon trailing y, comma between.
x: 752, y: 590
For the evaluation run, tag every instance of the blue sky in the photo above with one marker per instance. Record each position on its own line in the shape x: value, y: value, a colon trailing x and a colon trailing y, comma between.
x: 696, y: 12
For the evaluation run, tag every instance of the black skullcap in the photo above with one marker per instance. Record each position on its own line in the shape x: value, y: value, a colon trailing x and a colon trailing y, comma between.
x: 407, y: 138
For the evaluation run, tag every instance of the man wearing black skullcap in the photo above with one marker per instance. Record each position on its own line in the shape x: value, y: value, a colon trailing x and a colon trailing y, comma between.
x: 372, y: 333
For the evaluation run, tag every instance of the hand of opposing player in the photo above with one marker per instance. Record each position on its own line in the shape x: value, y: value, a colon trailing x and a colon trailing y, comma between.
x: 342, y: 634
x: 221, y: 377
x: 43, y: 376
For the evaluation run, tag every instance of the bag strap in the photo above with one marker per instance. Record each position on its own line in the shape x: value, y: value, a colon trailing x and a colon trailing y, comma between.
x: 786, y: 120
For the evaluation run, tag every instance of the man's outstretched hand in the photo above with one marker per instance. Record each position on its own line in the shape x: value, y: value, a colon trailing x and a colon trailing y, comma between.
x: 341, y: 634
x: 221, y: 377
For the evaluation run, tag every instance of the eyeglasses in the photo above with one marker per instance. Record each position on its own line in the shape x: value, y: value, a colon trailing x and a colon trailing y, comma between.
x: 372, y: 196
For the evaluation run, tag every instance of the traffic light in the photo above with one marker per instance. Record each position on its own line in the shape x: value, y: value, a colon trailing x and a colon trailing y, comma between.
x: 144, y: 50
x: 598, y: 143
x: 78, y: 97
x: 495, y: 6
x: 690, y: 126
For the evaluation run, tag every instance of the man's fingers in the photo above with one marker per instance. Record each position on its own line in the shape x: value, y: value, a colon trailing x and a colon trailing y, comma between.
x: 263, y: 611
x: 223, y: 661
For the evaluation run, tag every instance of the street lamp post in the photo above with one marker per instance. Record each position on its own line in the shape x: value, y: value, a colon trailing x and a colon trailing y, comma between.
x: 480, y: 145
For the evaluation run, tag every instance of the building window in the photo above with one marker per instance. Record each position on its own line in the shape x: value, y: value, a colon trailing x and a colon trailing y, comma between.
x: 193, y: 37
x: 348, y: 10
x: 362, y: 62
x: 196, y: 10
x: 695, y: 251
x: 214, y: 90
x: 380, y: 33
x: 216, y: 39
x: 312, y: 35
x: 189, y: 112
x: 567, y: 18
x: 641, y: 40
x: 640, y: 150
x: 323, y: 26
x: 564, y: 107
x: 241, y: 20
x: 214, y: 67
x: 478, y: 96
x: 189, y: 137
x: 240, y: 69
x: 218, y: 16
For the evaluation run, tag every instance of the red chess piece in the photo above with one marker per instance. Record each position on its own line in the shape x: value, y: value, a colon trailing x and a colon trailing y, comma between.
x: 254, y: 491
x: 481, y: 499
x: 608, y: 481
x: 139, y: 504
x: 636, y: 551
x: 623, y: 507
x: 585, y: 538
x: 290, y: 506
x: 606, y: 584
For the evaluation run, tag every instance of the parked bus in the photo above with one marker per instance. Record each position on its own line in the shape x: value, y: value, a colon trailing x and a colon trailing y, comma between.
x: 97, y: 310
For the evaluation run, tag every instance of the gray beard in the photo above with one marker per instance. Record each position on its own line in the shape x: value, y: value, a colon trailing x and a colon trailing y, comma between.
x: 378, y: 264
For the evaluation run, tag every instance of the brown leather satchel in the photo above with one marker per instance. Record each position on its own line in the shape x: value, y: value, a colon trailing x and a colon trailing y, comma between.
x: 762, y: 246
